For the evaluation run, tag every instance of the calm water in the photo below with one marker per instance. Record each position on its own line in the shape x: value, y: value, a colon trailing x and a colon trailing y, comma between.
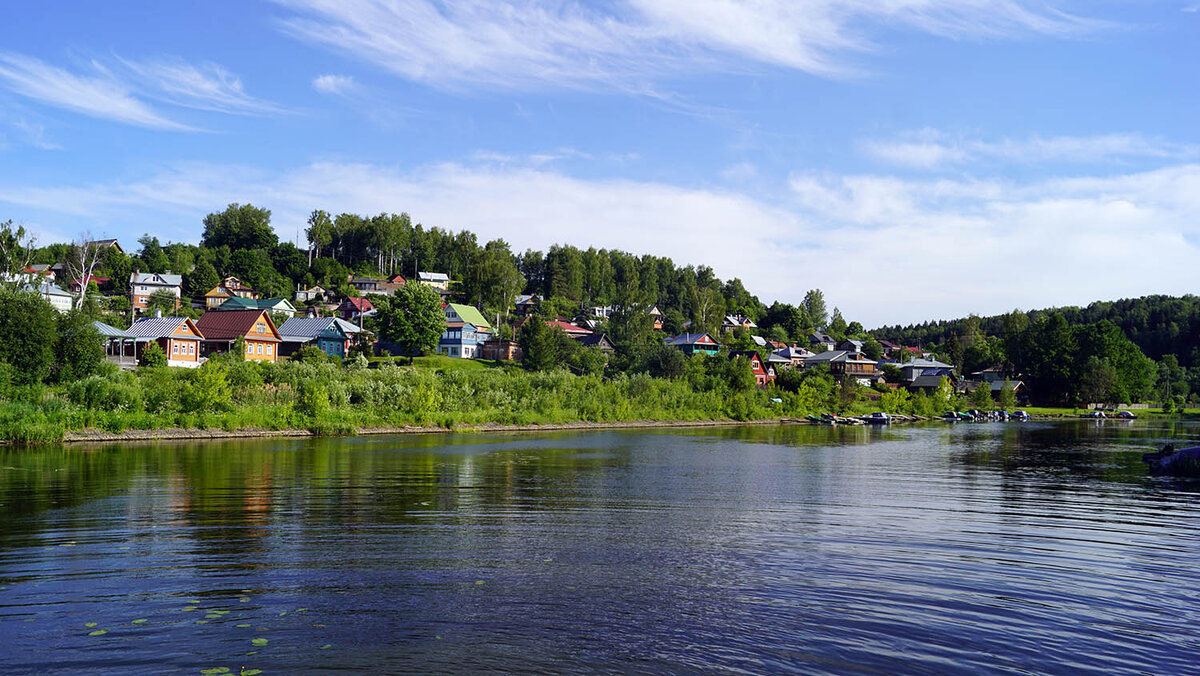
x: 1038, y: 548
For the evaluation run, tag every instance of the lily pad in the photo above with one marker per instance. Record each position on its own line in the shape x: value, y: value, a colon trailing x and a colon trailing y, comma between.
x: 215, y: 670
x: 327, y: 646
x: 244, y: 599
x: 242, y: 625
x: 90, y: 624
x: 201, y: 621
x: 188, y: 609
x: 98, y: 632
x: 250, y: 672
x: 141, y: 621
x: 478, y: 581
x: 258, y: 642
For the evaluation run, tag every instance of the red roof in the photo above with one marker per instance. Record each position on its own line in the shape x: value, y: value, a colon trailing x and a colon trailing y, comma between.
x: 360, y: 304
x: 91, y: 278
x: 568, y: 328
x: 233, y: 324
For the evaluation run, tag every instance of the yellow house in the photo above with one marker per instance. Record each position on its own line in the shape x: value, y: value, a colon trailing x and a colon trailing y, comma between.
x: 230, y: 287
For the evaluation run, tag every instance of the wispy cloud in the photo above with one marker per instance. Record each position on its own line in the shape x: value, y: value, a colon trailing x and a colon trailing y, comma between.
x: 98, y: 94
x: 333, y: 84
x: 930, y: 148
x: 884, y: 248
x: 122, y: 89
x: 632, y: 44
x: 206, y: 86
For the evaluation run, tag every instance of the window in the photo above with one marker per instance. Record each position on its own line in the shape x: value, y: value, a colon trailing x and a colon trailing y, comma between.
x: 249, y: 349
x: 174, y: 347
x: 191, y: 348
x: 269, y: 348
x: 260, y: 327
x: 260, y: 348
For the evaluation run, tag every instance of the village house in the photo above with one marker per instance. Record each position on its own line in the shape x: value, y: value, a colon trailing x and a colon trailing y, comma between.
x: 692, y: 343
x: 61, y: 300
x: 142, y: 285
x: 273, y: 305
x: 843, y: 363
x: 996, y: 386
x: 599, y: 341
x: 820, y: 342
x: 460, y: 339
x: 222, y: 329
x: 850, y: 345
x: 527, y: 304
x: 230, y: 287
x: 794, y: 355
x: 105, y: 244
x: 568, y: 328
x: 313, y: 294
x: 911, y: 370
x: 456, y: 313
x: 354, y: 308
x: 501, y: 350
x: 383, y: 287
x: 732, y: 322
x: 331, y: 335
x: 764, y: 374
x: 438, y: 281
x: 656, y: 316
x: 78, y: 286
x: 179, y: 338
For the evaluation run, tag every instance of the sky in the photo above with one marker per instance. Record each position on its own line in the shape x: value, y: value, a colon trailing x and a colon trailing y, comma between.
x: 914, y: 159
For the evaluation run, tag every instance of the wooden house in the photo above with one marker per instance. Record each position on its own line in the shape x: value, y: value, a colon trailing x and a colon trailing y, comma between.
x: 692, y: 343
x: 179, y: 338
x: 230, y: 287
x: 142, y: 285
x: 352, y: 308
x: 222, y: 329
x: 764, y: 374
x: 501, y: 350
x: 331, y: 335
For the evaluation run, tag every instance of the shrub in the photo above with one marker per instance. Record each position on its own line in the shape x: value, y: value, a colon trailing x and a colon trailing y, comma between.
x: 152, y: 356
x: 98, y: 393
x: 312, y: 400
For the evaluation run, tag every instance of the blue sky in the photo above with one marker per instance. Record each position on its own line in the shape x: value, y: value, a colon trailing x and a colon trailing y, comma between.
x: 915, y: 159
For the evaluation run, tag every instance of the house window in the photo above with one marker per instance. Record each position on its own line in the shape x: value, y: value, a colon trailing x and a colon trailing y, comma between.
x: 191, y: 348
x: 174, y: 347
x: 249, y: 349
x: 269, y: 350
x: 260, y: 327
x: 260, y: 348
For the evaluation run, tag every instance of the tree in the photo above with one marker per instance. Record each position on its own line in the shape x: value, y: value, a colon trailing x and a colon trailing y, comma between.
x: 27, y: 335
x: 161, y: 300
x: 412, y: 317
x: 154, y: 259
x: 319, y: 233
x: 16, y: 251
x: 814, y: 305
x: 545, y: 348
x: 1008, y: 397
x: 79, y: 350
x: 240, y: 226
x: 837, y: 325
x: 152, y: 356
x: 872, y: 349
x: 80, y: 262
x: 1099, y: 381
x: 981, y: 396
x: 202, y: 279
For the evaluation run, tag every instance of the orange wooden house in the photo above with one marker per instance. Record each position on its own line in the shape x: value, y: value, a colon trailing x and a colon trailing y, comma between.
x: 179, y: 338
x: 222, y: 329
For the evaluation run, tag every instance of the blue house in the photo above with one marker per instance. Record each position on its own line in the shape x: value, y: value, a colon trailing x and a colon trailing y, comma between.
x: 330, y: 334
x: 461, y: 339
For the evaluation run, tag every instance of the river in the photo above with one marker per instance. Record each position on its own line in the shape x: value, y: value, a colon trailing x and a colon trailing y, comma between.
x: 990, y: 548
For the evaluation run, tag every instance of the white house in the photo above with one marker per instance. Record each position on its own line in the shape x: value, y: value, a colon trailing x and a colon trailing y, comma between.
x: 143, y: 284
x: 61, y: 300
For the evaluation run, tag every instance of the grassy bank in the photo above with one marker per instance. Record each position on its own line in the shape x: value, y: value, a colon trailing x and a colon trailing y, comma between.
x: 332, y: 399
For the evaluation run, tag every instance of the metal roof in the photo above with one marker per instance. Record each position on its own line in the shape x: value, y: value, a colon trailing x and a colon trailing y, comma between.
x: 309, y: 327
x: 232, y: 324
x: 111, y: 331
x: 159, y: 327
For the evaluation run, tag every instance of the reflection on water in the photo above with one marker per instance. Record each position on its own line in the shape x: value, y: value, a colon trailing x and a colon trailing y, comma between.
x: 1006, y: 547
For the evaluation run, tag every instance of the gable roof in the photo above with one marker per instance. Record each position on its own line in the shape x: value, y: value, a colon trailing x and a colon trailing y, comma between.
x: 433, y: 277
x: 232, y: 324
x: 359, y: 303
x: 925, y: 364
x: 599, y: 340
x: 152, y: 328
x: 469, y: 313
x: 46, y: 289
x: 689, y: 339
x: 240, y: 303
x: 567, y: 327
x: 155, y: 278
x: 111, y: 331
x: 107, y: 242
x: 311, y: 327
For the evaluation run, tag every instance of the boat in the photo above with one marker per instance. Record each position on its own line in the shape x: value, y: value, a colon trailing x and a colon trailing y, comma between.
x: 1172, y: 462
x: 1020, y: 416
x: 877, y: 418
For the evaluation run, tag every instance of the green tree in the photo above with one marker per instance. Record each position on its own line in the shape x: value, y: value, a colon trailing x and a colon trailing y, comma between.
x: 208, y: 389
x: 1008, y: 397
x: 16, y: 250
x: 837, y: 325
x: 202, y: 279
x: 412, y: 317
x: 319, y: 233
x: 153, y: 258
x: 80, y: 348
x: 872, y: 349
x: 152, y: 356
x: 814, y: 305
x: 545, y: 348
x: 981, y: 396
x: 27, y: 335
x: 240, y: 226
x: 161, y: 300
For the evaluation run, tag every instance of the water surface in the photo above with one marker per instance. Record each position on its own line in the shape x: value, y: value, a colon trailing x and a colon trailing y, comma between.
x: 998, y: 548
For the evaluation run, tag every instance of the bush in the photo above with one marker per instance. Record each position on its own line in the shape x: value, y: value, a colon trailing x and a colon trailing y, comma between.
x: 312, y: 400
x: 98, y: 393
x: 152, y: 356
x: 208, y: 389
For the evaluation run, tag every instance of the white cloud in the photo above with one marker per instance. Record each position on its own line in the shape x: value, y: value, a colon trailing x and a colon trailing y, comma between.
x: 884, y: 249
x: 207, y: 86
x: 97, y: 95
x: 119, y: 91
x: 333, y: 84
x: 631, y: 44
x: 930, y: 149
